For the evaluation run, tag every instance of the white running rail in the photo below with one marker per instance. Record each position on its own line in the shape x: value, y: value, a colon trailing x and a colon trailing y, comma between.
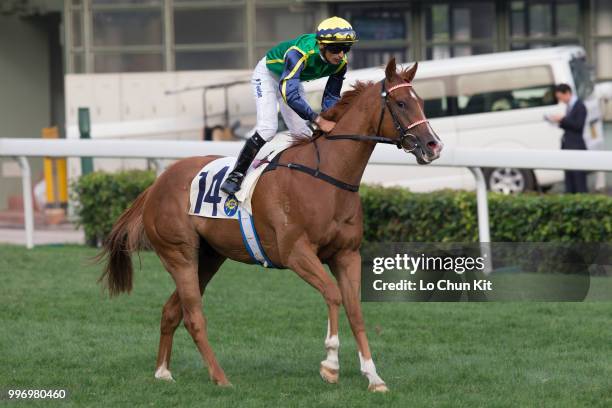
x: 473, y: 159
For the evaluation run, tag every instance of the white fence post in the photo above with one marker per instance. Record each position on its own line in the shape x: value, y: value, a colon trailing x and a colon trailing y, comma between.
x: 160, y: 167
x: 28, y: 206
x: 484, y: 232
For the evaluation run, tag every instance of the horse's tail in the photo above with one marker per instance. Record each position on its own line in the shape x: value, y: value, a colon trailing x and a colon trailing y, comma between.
x: 128, y: 235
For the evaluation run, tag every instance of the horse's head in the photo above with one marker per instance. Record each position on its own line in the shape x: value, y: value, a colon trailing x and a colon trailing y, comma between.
x: 407, y: 122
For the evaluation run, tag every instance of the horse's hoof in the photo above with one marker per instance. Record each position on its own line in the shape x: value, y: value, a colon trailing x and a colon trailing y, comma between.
x: 164, y: 375
x: 378, y: 388
x: 222, y: 382
x: 329, y: 375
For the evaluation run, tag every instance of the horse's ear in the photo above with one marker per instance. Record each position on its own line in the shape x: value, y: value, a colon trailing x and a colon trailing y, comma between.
x: 391, y: 69
x: 408, y: 75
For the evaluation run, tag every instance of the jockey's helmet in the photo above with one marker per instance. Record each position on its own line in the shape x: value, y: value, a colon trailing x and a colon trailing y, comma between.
x: 336, y: 30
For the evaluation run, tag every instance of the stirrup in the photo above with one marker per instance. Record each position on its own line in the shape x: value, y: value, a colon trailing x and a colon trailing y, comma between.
x: 232, y: 183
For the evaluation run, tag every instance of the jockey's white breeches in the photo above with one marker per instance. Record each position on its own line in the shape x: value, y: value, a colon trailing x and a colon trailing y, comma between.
x: 268, y: 99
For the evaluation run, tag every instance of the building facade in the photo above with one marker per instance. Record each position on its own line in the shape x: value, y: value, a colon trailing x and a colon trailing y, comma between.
x: 41, y: 40
x: 166, y: 35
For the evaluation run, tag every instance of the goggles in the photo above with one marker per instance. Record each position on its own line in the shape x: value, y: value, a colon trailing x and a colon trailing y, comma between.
x: 338, y: 48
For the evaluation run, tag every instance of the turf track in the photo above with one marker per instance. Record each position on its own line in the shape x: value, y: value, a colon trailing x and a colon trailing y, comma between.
x: 57, y: 330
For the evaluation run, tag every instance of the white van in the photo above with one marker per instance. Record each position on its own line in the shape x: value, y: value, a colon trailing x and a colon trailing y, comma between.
x: 494, y: 100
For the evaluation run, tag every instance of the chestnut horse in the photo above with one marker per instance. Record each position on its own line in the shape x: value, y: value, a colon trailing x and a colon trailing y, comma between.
x: 303, y: 221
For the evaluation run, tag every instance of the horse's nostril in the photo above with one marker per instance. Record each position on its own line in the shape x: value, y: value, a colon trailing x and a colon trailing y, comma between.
x: 434, y: 146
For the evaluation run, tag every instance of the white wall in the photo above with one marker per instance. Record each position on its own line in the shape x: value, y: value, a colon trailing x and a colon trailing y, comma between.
x: 142, y: 96
x: 136, y: 106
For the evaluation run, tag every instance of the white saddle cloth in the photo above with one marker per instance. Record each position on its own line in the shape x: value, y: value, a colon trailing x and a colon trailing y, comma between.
x: 206, y: 198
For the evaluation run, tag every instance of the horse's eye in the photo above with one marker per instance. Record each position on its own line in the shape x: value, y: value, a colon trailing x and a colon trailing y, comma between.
x: 401, y: 104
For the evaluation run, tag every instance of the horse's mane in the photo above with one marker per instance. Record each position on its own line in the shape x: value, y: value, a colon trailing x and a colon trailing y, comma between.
x: 336, y: 112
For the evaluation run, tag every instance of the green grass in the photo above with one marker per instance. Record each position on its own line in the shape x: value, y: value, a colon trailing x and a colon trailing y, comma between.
x: 57, y: 330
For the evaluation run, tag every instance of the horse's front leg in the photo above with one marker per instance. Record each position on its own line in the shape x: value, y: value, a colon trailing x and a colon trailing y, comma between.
x: 306, y: 264
x: 346, y: 266
x: 330, y: 367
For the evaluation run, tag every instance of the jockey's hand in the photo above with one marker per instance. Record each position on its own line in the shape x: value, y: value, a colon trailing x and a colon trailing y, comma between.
x: 324, y: 124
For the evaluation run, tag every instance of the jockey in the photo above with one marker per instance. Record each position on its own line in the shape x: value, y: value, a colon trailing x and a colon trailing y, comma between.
x: 277, y: 78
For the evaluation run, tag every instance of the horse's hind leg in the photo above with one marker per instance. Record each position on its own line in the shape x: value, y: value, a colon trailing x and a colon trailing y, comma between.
x: 181, y: 261
x: 171, y: 317
x: 189, y: 293
x: 172, y: 314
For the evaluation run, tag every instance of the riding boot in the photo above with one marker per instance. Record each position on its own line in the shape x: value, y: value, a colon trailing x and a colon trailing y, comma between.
x: 232, y: 184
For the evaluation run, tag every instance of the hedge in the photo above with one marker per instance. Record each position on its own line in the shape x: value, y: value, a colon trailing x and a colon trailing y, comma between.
x: 101, y: 198
x: 397, y: 215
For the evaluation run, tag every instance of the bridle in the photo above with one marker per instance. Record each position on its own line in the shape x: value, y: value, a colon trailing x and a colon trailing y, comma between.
x: 407, y: 140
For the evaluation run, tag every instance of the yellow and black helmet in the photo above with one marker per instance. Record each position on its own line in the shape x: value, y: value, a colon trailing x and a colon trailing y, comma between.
x: 336, y: 30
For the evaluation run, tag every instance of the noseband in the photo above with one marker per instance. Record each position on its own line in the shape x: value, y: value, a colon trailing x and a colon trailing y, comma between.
x: 407, y: 140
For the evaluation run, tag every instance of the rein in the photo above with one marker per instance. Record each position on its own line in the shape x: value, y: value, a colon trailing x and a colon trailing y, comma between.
x: 407, y: 141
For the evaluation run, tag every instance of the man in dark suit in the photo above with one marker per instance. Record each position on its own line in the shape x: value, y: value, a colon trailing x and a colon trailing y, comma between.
x: 573, y: 125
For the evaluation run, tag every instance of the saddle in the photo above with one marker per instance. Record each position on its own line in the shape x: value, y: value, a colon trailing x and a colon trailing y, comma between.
x: 206, y: 198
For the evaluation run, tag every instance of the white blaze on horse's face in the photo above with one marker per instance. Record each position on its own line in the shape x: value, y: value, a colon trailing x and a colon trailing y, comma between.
x: 429, y: 142
x: 419, y: 130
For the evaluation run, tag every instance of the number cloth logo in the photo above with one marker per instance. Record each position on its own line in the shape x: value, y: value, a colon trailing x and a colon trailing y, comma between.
x: 231, y: 206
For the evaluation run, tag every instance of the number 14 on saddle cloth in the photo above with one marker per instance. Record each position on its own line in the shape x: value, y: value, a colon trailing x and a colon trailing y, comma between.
x: 206, y: 199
